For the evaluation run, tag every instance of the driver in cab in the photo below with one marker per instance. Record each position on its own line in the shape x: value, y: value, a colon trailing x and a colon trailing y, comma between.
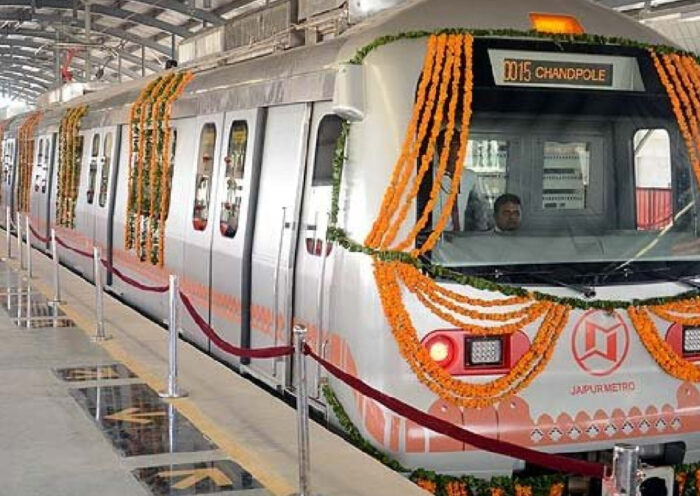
x: 506, y: 213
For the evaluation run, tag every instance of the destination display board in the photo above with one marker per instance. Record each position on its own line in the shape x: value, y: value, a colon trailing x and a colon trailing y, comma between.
x: 565, y: 70
x: 528, y: 71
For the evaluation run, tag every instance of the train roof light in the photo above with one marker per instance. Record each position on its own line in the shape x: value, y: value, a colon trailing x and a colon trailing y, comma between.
x: 555, y: 23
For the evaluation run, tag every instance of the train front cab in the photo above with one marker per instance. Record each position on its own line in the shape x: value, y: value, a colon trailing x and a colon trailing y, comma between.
x: 608, y: 211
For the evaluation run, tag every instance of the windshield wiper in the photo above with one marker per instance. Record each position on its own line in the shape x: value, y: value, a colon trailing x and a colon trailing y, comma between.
x: 586, y: 291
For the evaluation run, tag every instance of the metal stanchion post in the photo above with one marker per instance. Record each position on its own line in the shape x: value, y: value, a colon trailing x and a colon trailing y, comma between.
x: 28, y: 232
x: 173, y: 333
x: 302, y: 412
x: 18, y: 227
x: 28, y: 310
x: 56, y: 262
x: 625, y: 469
x: 99, y: 297
x: 19, y: 300
x: 8, y: 231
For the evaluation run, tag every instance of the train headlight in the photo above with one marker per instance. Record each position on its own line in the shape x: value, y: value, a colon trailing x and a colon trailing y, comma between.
x: 486, y: 351
x: 691, y: 340
x: 441, y: 350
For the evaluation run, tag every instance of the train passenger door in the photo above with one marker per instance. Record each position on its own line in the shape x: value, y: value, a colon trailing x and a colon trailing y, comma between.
x: 108, y: 164
x: 313, y: 270
x: 40, y: 188
x: 85, y: 208
x: 233, y: 171
x: 202, y: 224
x: 276, y: 231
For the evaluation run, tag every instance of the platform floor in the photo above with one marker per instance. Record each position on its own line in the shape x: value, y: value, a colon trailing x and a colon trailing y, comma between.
x: 83, y: 418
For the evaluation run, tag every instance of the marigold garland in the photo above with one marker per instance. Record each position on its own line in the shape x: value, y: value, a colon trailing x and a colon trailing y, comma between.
x: 69, y: 159
x: 149, y: 185
x: 447, y: 71
x: 25, y: 160
x: 471, y: 395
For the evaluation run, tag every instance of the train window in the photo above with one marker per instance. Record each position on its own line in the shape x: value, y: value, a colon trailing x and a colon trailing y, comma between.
x: 202, y: 191
x: 106, y: 166
x: 484, y: 177
x: 233, y: 182
x: 38, y: 165
x: 45, y: 167
x: 652, y: 179
x: 328, y: 132
x: 94, y: 156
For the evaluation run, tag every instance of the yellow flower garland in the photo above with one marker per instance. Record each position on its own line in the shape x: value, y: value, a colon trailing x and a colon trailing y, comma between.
x: 149, y: 166
x: 26, y: 160
x: 69, y: 160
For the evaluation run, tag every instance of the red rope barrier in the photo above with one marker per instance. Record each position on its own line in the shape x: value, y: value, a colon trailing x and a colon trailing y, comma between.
x: 554, y: 462
x: 220, y: 343
x: 37, y: 235
x: 134, y: 282
x: 79, y: 252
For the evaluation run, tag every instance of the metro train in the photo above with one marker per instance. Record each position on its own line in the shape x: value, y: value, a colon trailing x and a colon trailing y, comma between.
x: 607, y: 201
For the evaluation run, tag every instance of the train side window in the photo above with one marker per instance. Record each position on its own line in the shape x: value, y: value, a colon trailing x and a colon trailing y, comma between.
x: 45, y: 167
x: 39, y: 165
x: 329, y: 131
x: 233, y: 181
x: 94, y: 155
x: 202, y: 187
x: 653, y: 179
x: 106, y: 167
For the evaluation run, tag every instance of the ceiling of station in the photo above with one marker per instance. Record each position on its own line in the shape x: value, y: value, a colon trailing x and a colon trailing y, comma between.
x: 678, y: 20
x: 127, y: 39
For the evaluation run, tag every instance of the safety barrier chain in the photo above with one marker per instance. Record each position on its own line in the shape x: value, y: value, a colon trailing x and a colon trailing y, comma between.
x: 547, y: 460
x: 121, y: 275
x: 43, y: 239
x: 551, y: 461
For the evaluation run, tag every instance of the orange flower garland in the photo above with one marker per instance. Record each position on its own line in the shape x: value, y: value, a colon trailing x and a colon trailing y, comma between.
x: 447, y: 55
x: 421, y: 111
x: 471, y: 395
x: 658, y: 348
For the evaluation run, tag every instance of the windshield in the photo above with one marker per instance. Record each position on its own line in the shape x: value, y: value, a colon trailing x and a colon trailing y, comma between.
x: 587, y: 185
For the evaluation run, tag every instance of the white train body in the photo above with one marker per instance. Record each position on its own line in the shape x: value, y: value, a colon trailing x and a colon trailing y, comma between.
x: 271, y: 273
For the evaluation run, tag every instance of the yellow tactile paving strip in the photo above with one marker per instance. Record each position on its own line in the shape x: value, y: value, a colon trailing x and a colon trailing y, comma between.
x: 185, y: 406
x: 268, y: 449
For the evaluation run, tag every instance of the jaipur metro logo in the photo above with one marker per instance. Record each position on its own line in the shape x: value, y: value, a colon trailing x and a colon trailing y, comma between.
x: 600, y: 342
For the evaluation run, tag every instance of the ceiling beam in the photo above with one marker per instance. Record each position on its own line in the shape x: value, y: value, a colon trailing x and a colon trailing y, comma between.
x: 47, y: 46
x: 6, y: 81
x: 184, y: 9
x: 52, y: 20
x: 30, y: 54
x: 47, y: 68
x: 27, y: 76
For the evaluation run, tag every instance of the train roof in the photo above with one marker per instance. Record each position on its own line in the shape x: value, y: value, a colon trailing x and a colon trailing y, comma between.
x: 308, y: 73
